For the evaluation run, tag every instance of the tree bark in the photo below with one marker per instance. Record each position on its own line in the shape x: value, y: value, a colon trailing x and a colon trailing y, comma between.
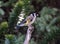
x: 28, y: 35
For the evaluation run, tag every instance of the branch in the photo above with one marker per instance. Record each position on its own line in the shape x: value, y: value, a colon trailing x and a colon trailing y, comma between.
x: 29, y: 31
x: 28, y: 35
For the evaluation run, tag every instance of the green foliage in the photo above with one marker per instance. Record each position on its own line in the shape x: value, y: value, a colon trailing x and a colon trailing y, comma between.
x: 28, y: 8
x: 8, y: 3
x: 3, y: 30
x: 47, y: 10
x: 9, y: 36
x: 12, y: 39
x: 46, y: 24
x: 3, y: 27
x: 32, y: 41
x: 14, y: 14
x: 1, y: 3
x: 1, y: 12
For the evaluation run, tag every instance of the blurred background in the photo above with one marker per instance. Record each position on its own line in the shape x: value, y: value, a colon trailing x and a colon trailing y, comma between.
x: 46, y: 26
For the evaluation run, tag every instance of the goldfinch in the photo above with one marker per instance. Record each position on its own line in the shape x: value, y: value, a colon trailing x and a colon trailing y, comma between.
x: 28, y: 21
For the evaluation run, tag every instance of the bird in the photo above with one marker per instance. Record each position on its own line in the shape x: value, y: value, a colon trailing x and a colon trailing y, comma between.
x: 27, y: 21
